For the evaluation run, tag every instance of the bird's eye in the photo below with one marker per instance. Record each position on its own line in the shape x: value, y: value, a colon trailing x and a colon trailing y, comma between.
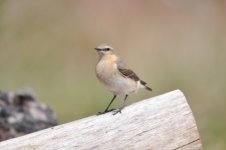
x: 107, y: 49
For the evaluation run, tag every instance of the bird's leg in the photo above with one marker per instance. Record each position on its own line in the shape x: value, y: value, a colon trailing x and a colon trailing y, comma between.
x: 106, y: 110
x: 120, y: 109
x: 124, y: 102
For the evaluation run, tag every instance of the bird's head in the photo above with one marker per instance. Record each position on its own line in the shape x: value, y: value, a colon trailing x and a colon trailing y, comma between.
x: 104, y: 49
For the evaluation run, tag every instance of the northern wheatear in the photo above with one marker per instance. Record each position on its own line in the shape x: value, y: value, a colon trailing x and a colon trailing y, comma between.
x: 115, y: 76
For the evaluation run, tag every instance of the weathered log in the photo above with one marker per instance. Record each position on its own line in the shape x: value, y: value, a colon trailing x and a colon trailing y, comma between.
x: 163, y: 122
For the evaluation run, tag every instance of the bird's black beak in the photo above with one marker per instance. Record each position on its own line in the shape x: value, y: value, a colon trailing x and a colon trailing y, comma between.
x: 97, y: 49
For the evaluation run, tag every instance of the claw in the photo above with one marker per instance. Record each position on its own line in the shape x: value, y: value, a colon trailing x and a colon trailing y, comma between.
x: 118, y: 110
x: 104, y: 112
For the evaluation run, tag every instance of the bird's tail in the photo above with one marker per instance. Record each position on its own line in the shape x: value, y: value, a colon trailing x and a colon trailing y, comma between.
x: 145, y: 85
x: 148, y: 88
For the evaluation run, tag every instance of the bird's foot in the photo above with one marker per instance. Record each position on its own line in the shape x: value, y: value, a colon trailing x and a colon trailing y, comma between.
x: 106, y: 111
x: 118, y: 110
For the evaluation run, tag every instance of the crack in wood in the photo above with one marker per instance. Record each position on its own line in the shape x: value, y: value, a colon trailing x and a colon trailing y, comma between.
x: 139, y: 134
x: 186, y: 144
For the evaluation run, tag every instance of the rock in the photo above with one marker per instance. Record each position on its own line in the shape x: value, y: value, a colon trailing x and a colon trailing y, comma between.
x: 21, y: 113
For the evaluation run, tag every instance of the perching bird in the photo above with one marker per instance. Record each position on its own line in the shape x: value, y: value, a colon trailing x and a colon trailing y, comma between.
x: 115, y: 76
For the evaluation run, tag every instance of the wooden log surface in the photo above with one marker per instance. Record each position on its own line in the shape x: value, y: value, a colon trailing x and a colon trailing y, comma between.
x: 163, y: 122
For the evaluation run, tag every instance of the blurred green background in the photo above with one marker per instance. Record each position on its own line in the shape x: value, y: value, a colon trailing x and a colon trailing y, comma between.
x: 171, y: 44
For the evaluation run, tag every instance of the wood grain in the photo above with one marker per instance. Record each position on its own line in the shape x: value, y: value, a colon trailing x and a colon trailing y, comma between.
x: 163, y: 122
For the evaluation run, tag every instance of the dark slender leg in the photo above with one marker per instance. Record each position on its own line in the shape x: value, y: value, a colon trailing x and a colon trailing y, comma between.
x: 106, y: 110
x: 125, y: 99
x: 120, y: 109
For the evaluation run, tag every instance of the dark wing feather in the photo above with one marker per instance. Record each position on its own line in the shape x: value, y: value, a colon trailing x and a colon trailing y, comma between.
x: 128, y: 73
x: 122, y: 68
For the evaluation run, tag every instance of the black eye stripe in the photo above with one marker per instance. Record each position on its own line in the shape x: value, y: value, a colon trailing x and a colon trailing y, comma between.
x: 105, y: 49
